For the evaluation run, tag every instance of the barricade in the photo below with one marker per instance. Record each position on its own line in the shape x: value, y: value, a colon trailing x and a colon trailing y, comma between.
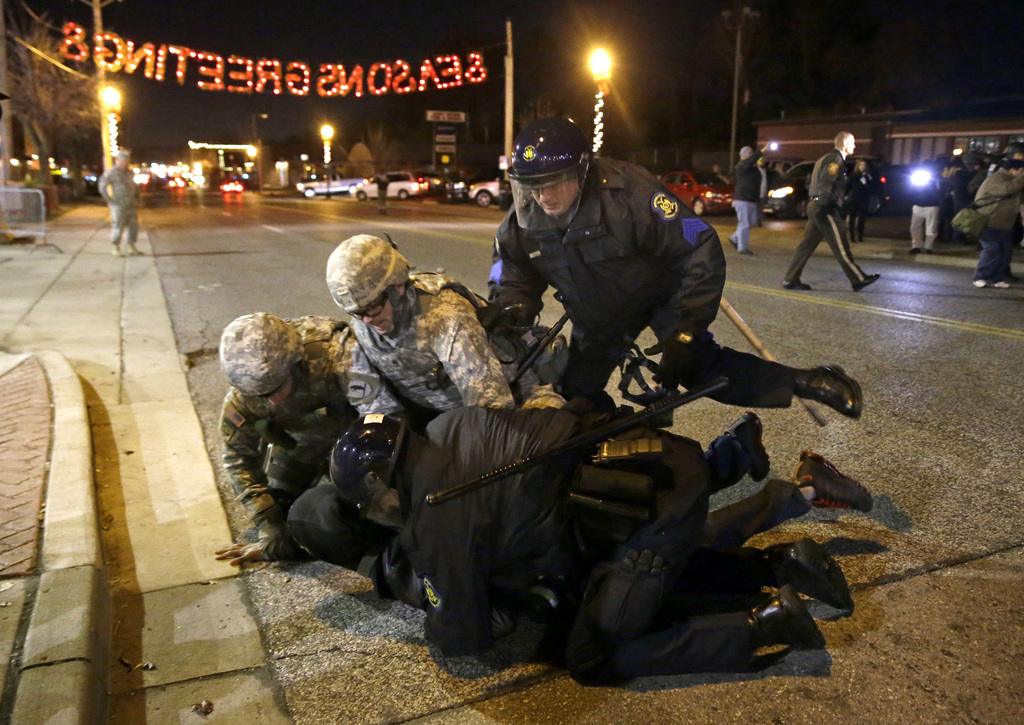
x: 23, y: 214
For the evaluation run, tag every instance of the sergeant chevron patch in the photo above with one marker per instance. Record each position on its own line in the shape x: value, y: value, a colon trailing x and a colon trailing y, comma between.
x: 692, y: 229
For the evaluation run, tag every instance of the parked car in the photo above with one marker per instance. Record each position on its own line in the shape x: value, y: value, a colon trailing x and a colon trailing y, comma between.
x: 702, y: 191
x: 787, y: 192
x: 317, y: 185
x: 489, y: 181
x: 401, y: 185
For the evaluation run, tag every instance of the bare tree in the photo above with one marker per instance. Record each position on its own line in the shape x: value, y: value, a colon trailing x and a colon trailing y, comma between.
x: 379, y: 143
x: 54, y: 104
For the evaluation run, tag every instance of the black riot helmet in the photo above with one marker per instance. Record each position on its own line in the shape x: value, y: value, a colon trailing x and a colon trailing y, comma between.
x: 545, y: 150
x: 549, y: 166
x: 363, y: 463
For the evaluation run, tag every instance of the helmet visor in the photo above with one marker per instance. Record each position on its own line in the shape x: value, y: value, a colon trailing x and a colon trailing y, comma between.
x: 549, y: 201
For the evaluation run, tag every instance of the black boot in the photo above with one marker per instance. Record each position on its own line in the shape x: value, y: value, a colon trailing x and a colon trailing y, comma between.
x: 807, y: 566
x: 831, y: 386
x: 832, y: 488
x: 747, y: 430
x: 784, y: 619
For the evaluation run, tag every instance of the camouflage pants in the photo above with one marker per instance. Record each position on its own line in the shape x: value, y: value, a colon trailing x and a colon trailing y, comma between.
x: 122, y: 218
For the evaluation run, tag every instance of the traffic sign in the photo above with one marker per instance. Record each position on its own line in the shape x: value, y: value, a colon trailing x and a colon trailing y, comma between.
x: 445, y: 138
x: 444, y: 148
x: 446, y: 116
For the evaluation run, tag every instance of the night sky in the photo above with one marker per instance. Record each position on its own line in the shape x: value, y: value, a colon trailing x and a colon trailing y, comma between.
x: 672, y: 73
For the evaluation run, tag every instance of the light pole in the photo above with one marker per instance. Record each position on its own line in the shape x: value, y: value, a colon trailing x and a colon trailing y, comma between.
x: 111, y: 98
x: 327, y: 133
x: 741, y: 15
x: 259, y: 152
x: 601, y: 67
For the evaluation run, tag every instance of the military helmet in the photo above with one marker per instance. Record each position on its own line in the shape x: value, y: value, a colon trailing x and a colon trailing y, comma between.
x: 371, y: 445
x: 258, y: 352
x: 361, y: 269
x: 545, y: 150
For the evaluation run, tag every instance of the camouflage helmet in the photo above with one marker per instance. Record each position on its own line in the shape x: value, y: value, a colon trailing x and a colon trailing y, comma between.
x: 361, y: 268
x: 258, y: 351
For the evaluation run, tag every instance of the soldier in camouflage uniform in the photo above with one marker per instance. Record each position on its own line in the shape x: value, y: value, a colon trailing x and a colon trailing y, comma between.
x: 117, y: 187
x: 295, y: 389
x: 422, y: 334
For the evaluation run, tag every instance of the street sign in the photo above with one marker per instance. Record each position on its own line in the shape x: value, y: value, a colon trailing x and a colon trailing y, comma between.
x: 445, y: 138
x: 444, y: 148
x: 446, y: 116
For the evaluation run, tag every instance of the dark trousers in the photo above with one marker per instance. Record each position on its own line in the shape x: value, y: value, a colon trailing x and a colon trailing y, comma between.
x: 855, y: 222
x: 824, y: 223
x: 753, y: 381
x: 996, y: 255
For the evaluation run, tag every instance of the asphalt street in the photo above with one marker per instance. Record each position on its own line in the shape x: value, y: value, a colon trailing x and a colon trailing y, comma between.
x: 936, y: 567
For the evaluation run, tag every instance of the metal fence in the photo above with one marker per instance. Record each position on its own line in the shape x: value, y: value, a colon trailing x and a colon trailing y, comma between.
x: 23, y: 213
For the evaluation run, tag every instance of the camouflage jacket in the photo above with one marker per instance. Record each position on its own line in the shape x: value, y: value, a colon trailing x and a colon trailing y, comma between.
x: 326, y: 402
x: 117, y: 186
x: 436, y: 326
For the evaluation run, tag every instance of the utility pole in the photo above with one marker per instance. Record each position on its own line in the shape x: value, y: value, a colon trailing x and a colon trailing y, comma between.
x: 740, y: 15
x: 5, y: 123
x: 508, y: 90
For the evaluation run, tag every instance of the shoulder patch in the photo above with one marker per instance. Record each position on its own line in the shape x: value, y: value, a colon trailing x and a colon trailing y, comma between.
x: 833, y: 169
x: 692, y: 229
x: 665, y: 205
x: 232, y: 415
x: 432, y: 596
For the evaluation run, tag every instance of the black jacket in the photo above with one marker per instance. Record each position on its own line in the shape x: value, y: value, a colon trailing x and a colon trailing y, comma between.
x: 502, y: 536
x: 631, y: 250
x: 748, y: 179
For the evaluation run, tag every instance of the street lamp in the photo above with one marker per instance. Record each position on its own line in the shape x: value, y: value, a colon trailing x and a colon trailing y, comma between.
x: 111, y: 115
x: 601, y: 67
x: 258, y: 156
x: 327, y: 133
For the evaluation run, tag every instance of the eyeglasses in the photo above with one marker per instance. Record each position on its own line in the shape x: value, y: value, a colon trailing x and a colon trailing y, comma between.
x: 374, y: 308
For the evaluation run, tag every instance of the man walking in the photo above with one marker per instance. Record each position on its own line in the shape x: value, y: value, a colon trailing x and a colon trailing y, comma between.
x: 828, y: 188
x: 745, y: 197
x: 117, y: 187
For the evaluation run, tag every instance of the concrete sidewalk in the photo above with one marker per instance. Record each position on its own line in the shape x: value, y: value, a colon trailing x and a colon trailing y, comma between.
x: 123, y: 613
x: 126, y: 615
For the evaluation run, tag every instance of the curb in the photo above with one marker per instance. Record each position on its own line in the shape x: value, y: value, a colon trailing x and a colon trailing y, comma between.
x: 64, y: 667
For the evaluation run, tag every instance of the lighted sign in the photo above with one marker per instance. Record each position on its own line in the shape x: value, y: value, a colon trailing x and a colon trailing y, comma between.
x: 236, y: 74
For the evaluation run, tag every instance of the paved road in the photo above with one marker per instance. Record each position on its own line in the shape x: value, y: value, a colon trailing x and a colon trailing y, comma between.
x: 936, y: 567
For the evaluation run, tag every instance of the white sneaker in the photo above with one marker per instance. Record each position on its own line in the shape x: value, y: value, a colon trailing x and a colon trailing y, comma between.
x: 1000, y: 285
x: 115, y: 251
x: 133, y: 251
x: 980, y: 283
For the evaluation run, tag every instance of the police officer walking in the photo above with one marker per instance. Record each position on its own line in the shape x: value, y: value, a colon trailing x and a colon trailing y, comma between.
x: 824, y: 220
x: 625, y: 254
x: 117, y: 187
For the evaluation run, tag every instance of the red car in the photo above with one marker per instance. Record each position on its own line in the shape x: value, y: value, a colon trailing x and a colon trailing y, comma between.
x: 702, y: 191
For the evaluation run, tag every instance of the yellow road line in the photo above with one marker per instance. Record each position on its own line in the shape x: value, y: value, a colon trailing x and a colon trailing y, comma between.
x: 897, y: 314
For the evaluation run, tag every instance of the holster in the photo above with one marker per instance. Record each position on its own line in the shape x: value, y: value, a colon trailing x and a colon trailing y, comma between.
x: 608, y: 505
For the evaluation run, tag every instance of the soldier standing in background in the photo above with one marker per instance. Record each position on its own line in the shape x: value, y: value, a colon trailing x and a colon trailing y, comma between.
x: 117, y: 187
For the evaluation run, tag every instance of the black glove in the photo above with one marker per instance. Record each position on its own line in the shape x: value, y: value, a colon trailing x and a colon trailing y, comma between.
x: 623, y: 599
x: 678, y: 359
x: 500, y: 317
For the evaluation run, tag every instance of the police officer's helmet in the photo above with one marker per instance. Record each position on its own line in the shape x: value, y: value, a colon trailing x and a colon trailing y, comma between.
x: 258, y: 353
x: 547, y: 151
x: 361, y: 269
x: 364, y: 458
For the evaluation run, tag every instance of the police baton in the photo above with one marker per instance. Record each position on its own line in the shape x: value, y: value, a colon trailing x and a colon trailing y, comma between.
x: 745, y: 330
x: 539, y: 346
x: 581, y: 441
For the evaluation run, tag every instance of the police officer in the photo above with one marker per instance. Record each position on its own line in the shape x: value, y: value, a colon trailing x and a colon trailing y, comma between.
x: 117, y: 187
x: 827, y: 194
x: 421, y: 333
x: 474, y: 562
x: 294, y: 391
x: 625, y: 254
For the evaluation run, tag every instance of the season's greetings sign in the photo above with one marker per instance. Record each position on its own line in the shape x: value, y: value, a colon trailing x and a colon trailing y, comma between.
x: 237, y: 74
